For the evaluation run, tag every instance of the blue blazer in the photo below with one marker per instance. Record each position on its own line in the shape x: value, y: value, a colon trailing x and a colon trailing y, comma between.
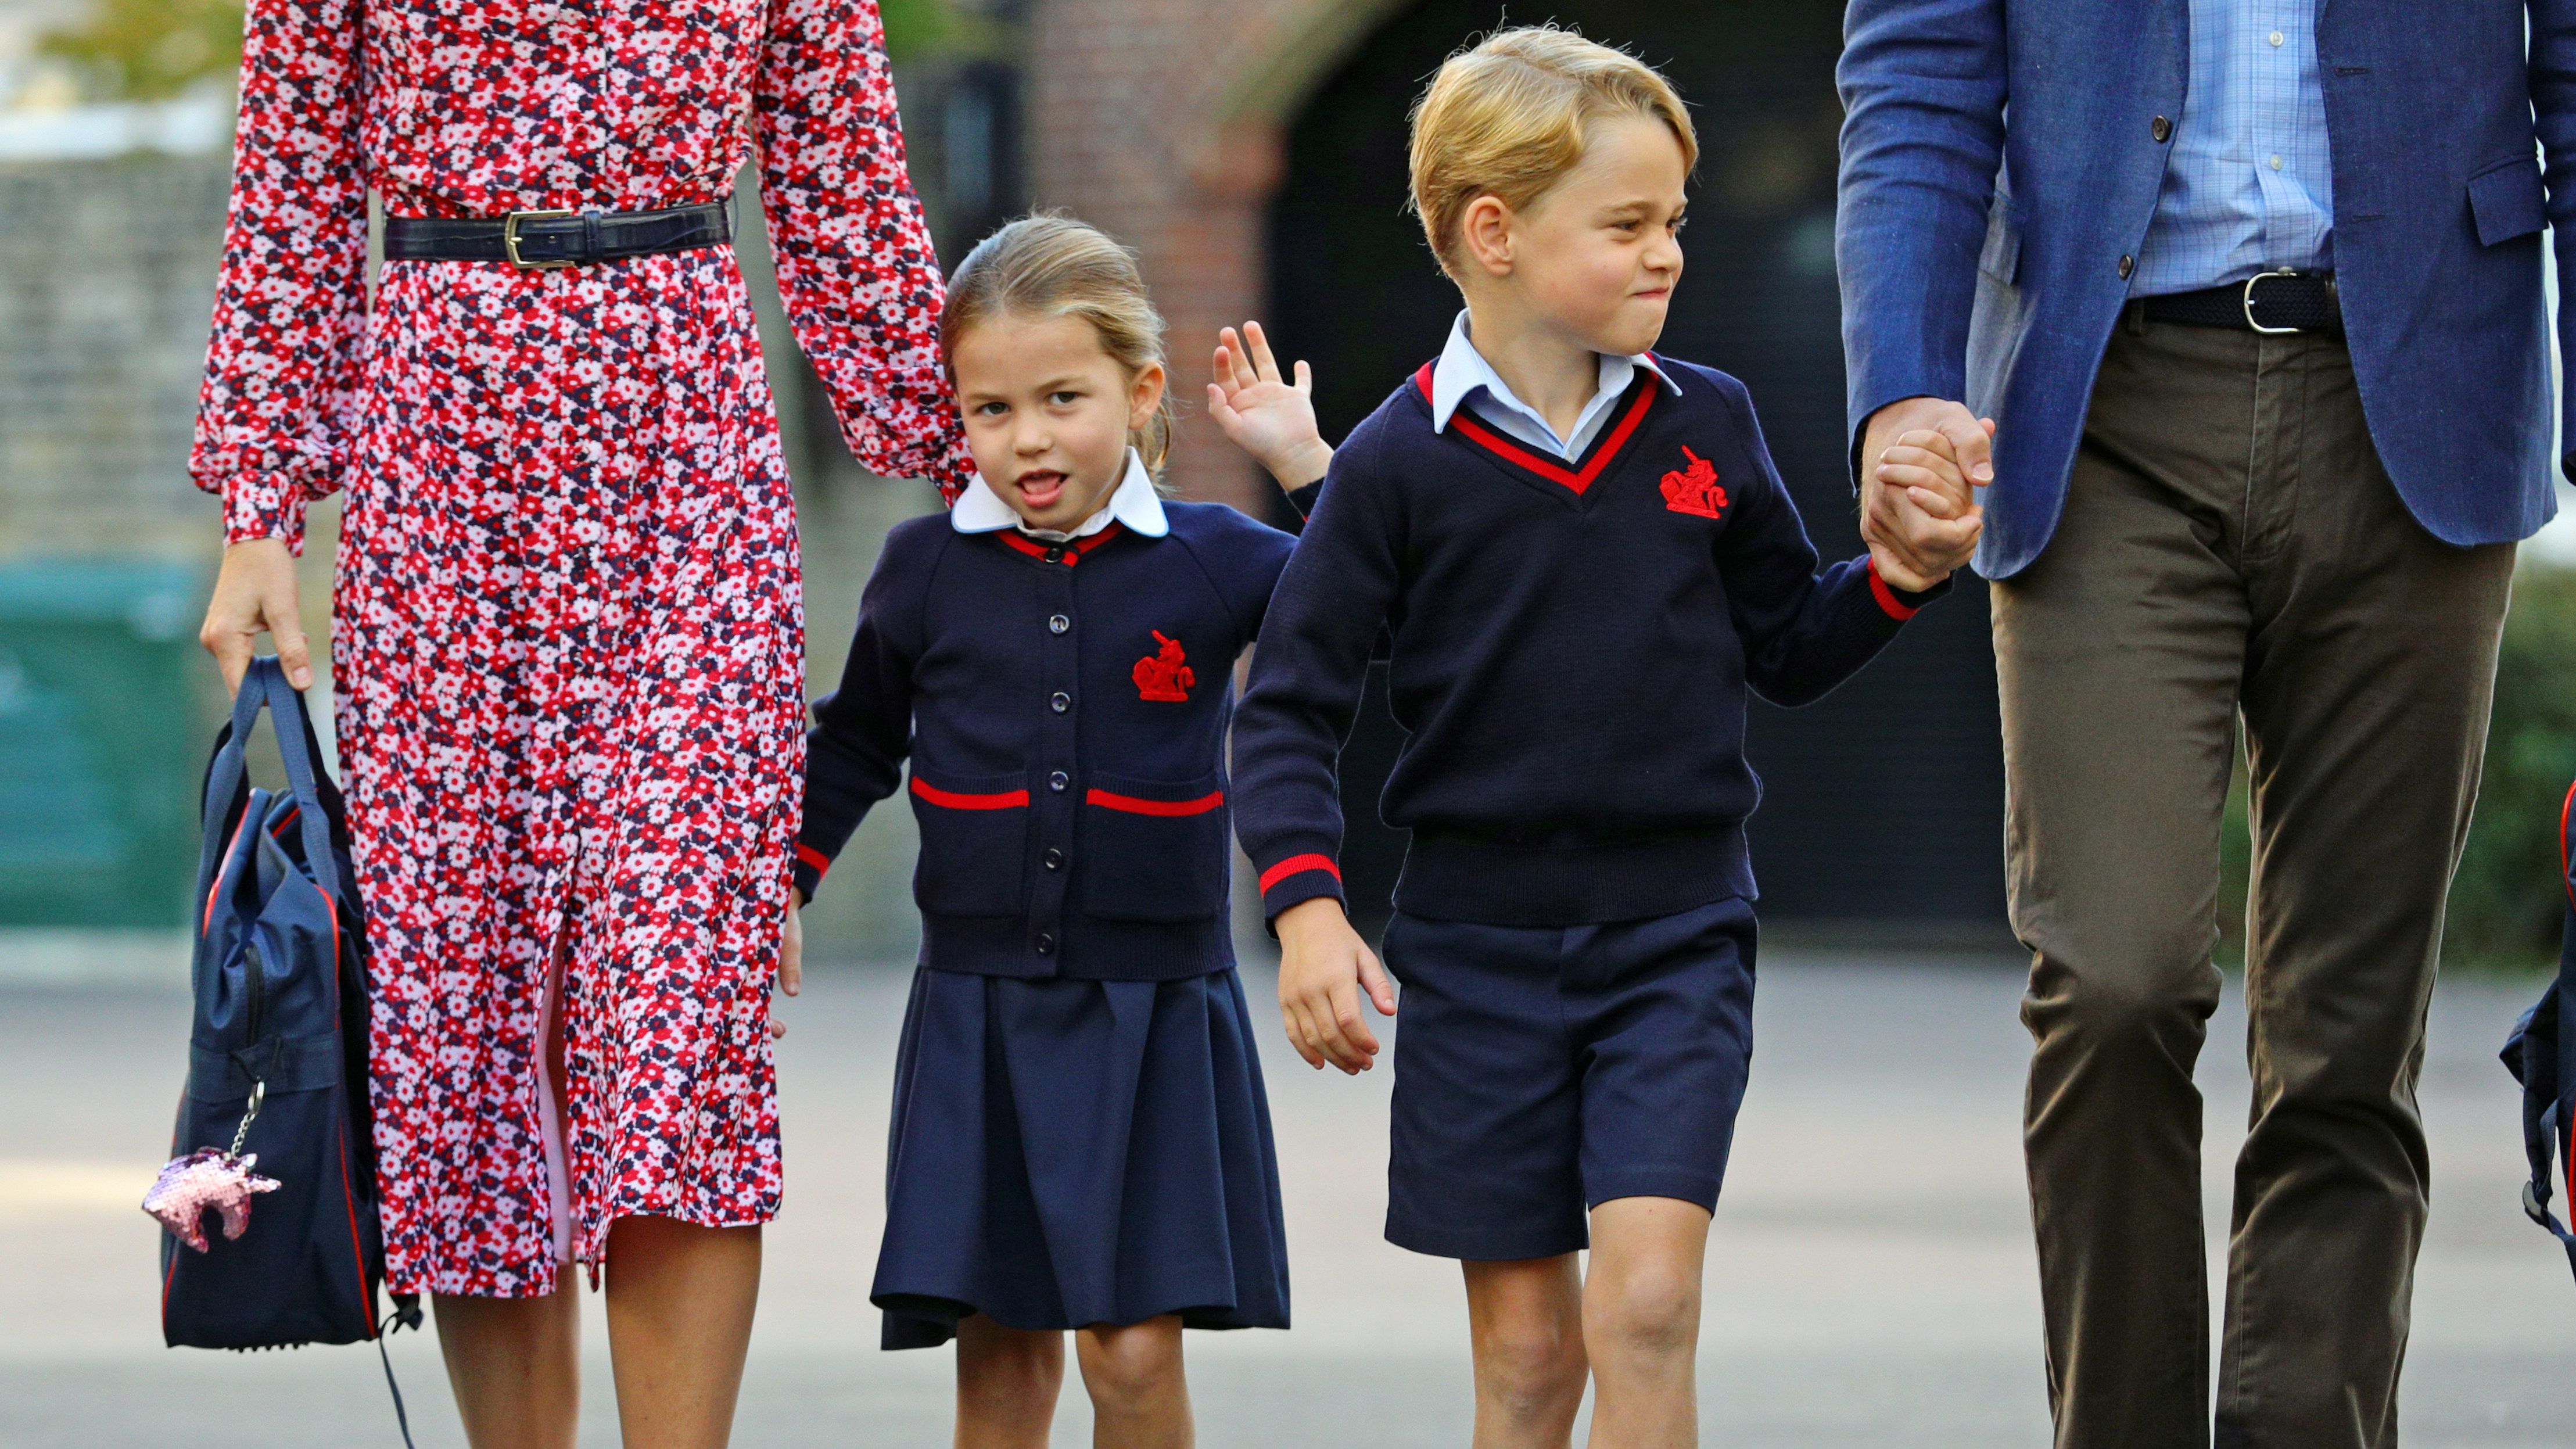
x: 1981, y: 257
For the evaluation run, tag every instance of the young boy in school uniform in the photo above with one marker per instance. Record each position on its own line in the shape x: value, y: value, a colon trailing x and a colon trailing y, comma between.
x: 1585, y: 558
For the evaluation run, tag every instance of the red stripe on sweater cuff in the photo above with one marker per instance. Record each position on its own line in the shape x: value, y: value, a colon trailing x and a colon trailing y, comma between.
x: 808, y: 855
x: 1887, y: 600
x: 1296, y: 865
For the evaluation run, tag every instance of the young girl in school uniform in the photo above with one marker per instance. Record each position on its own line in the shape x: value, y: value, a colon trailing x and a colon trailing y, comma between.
x: 1080, y: 1137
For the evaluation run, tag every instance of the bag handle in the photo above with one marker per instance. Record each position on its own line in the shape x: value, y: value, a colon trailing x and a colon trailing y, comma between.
x: 264, y: 686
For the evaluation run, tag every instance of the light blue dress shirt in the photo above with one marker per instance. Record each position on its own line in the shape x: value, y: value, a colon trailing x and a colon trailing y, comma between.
x: 2250, y: 186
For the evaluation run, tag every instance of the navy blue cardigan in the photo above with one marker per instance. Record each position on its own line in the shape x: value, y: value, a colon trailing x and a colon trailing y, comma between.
x: 1064, y: 709
x: 1572, y: 651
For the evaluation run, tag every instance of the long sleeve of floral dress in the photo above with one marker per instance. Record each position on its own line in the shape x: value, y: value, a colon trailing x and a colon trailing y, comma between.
x: 855, y: 265
x: 282, y: 369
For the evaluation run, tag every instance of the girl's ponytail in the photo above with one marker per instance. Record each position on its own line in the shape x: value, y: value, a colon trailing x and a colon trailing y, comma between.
x: 1049, y: 265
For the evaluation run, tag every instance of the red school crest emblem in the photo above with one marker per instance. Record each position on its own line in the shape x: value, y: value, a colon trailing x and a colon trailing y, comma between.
x: 1694, y: 490
x: 1165, y: 676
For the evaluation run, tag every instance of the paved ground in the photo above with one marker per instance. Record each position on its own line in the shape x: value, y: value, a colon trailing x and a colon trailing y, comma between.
x: 1870, y: 1283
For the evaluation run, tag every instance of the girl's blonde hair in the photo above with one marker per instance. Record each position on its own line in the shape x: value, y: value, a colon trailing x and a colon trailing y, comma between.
x: 1509, y: 119
x: 1049, y: 265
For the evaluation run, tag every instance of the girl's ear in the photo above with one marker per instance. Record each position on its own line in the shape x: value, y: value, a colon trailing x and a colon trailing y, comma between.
x: 1144, y: 396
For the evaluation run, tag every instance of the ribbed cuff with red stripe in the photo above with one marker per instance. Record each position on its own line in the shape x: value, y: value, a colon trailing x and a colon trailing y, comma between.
x: 810, y: 868
x: 1902, y: 604
x: 1297, y: 879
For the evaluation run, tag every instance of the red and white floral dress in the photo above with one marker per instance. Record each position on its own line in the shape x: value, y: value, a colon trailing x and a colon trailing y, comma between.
x: 568, y: 624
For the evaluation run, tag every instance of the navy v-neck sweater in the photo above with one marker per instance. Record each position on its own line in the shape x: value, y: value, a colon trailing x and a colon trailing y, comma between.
x: 1064, y: 711
x: 1572, y: 646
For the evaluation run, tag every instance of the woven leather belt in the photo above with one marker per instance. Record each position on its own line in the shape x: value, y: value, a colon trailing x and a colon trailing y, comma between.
x: 542, y: 240
x: 2265, y: 302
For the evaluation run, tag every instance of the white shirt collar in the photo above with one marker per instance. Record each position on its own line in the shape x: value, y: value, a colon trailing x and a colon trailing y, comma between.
x: 1133, y: 502
x: 1462, y: 369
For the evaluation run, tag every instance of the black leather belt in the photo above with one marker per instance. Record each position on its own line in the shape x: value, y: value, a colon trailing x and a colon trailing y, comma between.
x: 539, y: 240
x: 2264, y: 302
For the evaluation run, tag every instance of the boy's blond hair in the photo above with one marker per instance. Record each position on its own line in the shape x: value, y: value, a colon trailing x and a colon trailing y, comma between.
x: 1509, y: 119
x: 1050, y: 265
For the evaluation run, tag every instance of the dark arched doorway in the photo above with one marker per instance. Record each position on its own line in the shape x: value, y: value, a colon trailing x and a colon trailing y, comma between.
x: 1883, y: 806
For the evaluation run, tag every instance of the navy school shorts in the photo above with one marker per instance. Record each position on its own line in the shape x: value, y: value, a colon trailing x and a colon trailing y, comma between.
x: 1541, y: 1071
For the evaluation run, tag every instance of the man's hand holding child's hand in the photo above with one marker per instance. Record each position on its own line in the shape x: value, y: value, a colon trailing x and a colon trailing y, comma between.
x: 1919, y: 512
x: 1323, y: 966
x: 1265, y: 414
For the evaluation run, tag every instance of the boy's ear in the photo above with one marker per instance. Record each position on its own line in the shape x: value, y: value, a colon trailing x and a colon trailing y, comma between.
x: 1145, y: 394
x: 1485, y: 235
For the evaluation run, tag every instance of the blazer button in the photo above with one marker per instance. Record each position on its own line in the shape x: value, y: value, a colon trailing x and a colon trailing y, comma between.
x: 1055, y: 555
x: 1054, y: 858
x: 2127, y: 265
x: 1061, y: 701
x: 1058, y: 623
x: 2161, y: 129
x: 1046, y: 943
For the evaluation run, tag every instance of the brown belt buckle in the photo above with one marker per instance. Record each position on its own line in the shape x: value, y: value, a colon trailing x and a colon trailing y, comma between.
x: 510, y: 240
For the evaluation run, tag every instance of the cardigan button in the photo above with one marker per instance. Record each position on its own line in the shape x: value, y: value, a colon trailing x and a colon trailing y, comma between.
x: 1055, y: 555
x: 2161, y: 129
x: 1046, y: 943
x: 1059, y: 701
x: 1059, y: 781
x: 1054, y: 858
x: 2128, y: 264
x: 1058, y: 623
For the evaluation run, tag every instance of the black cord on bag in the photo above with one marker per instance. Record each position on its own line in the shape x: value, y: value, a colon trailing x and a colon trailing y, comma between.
x: 406, y: 1314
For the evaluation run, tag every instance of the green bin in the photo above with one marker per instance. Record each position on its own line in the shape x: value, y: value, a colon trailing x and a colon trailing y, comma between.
x: 102, y: 738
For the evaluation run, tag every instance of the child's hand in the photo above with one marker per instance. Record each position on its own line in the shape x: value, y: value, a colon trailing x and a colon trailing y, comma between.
x: 1939, y: 514
x: 1323, y: 965
x: 791, y: 958
x: 1269, y: 418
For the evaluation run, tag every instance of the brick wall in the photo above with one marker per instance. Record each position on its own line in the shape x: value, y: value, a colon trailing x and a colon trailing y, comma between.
x: 1160, y: 120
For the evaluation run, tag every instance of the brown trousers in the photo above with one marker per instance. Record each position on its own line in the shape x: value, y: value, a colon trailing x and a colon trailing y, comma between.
x: 2232, y: 551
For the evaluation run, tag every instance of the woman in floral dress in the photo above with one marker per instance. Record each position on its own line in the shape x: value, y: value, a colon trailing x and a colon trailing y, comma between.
x: 569, y: 637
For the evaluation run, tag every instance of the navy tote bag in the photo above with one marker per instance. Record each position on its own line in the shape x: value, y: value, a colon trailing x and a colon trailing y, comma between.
x: 2541, y: 1054
x: 277, y: 1057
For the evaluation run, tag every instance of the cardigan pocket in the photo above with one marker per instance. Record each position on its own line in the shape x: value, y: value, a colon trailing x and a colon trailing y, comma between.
x: 974, y: 844
x: 1154, y: 850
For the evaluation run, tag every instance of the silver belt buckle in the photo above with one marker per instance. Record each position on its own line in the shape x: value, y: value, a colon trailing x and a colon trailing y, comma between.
x: 2249, y: 303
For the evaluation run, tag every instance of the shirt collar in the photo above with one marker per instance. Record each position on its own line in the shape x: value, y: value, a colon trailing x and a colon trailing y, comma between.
x: 1133, y: 502
x: 1462, y: 369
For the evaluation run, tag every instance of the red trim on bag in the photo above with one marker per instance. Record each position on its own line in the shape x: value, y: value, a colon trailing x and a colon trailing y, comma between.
x: 1887, y: 600
x: 1006, y: 800
x: 2563, y: 870
x: 348, y: 1199
x: 1074, y: 552
x: 1298, y: 865
x: 1136, y: 806
x: 808, y: 855
x: 222, y: 863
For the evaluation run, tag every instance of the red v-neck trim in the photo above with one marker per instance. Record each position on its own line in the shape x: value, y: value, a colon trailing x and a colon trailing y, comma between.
x: 1068, y: 554
x: 1553, y: 472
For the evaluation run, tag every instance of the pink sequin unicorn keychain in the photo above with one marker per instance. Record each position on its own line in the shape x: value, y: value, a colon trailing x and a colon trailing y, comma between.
x: 208, y: 1178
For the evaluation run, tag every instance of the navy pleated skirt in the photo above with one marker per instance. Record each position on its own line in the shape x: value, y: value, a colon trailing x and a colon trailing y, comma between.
x: 1070, y: 1153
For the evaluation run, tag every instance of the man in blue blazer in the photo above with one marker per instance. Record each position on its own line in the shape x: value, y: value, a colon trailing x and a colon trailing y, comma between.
x: 2253, y: 291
